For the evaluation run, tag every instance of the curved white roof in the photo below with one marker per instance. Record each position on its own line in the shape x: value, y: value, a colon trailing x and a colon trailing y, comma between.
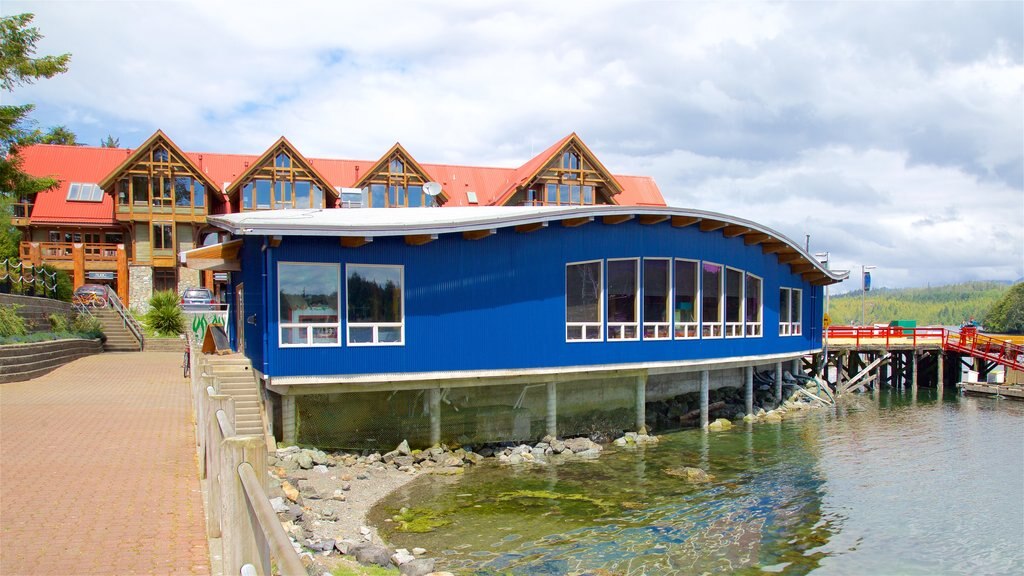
x: 378, y: 222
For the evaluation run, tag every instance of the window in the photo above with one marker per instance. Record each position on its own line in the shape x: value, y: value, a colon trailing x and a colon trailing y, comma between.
x: 199, y: 193
x: 163, y: 236
x: 623, y: 282
x: 308, y: 304
x: 396, y: 185
x: 183, y: 191
x: 165, y: 279
x: 711, y: 295
x: 733, y: 303
x: 161, y: 155
x: 752, y: 309
x: 784, y: 326
x: 375, y: 304
x: 796, y: 318
x: 657, y: 302
x: 685, y: 312
x: 54, y: 236
x: 584, y: 290
x: 122, y: 191
x: 283, y: 181
x: 140, y: 190
x: 79, y: 192
x: 351, y: 199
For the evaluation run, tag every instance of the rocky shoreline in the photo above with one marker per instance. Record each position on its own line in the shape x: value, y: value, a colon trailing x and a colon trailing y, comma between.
x: 322, y: 498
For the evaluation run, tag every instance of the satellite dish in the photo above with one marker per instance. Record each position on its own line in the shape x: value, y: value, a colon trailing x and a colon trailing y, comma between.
x: 431, y: 188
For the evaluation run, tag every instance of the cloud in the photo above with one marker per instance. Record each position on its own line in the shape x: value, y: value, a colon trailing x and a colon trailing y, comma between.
x: 884, y: 130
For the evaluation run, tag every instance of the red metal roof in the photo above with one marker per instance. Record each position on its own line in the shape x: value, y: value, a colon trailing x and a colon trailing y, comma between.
x: 89, y: 164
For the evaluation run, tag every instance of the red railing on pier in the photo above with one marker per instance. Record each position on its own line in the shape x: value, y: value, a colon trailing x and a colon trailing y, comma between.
x: 966, y: 341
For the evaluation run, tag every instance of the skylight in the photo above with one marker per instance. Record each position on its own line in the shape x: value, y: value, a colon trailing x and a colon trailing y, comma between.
x: 80, y: 192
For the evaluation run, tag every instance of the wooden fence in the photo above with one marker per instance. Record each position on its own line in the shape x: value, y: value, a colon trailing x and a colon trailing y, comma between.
x: 234, y: 470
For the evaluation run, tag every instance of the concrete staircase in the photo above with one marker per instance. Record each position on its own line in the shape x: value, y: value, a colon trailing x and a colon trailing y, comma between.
x: 234, y: 377
x: 119, y: 337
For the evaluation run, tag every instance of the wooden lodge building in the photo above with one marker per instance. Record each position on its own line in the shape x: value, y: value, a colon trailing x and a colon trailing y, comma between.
x: 501, y: 304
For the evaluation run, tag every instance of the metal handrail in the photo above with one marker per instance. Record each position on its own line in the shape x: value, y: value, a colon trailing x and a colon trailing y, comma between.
x: 967, y: 341
x: 280, y: 545
x: 126, y: 316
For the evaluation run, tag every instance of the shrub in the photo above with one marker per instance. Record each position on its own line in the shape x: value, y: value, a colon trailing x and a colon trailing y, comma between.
x: 164, y: 316
x: 59, y: 323
x: 65, y: 288
x: 11, y: 324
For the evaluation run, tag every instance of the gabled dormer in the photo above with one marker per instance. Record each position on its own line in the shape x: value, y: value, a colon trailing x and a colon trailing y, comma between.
x: 396, y: 181
x: 158, y: 179
x: 566, y: 174
x: 280, y: 179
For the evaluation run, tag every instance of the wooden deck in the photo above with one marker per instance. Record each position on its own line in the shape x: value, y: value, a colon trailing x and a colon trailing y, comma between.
x: 1008, y: 390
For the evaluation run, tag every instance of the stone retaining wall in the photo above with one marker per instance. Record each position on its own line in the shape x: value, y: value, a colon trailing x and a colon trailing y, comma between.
x: 20, y: 362
x: 35, y: 310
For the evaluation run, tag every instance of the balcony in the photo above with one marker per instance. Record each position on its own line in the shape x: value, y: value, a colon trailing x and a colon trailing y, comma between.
x: 61, y: 254
x: 20, y: 213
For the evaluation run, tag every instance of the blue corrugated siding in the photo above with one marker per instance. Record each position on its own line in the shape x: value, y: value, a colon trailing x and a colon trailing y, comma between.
x: 499, y: 303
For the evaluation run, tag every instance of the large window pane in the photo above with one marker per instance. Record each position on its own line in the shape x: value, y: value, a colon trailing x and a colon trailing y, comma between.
x: 262, y: 193
x: 622, y: 299
x: 752, y: 308
x: 796, y: 312
x: 711, y: 294
x: 685, y: 307
x: 308, y: 303
x: 784, y: 312
x: 302, y: 198
x: 583, y: 291
x: 733, y: 302
x: 656, y: 302
x: 375, y: 300
x: 199, y: 193
x: 183, y: 191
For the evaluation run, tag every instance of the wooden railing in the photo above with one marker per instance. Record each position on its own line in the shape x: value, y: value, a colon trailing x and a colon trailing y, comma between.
x: 55, y: 251
x: 887, y: 335
x: 234, y: 469
x: 966, y: 341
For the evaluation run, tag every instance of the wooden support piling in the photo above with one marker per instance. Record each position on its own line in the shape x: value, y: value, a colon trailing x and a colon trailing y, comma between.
x: 940, y: 373
x: 749, y: 389
x: 641, y: 403
x: 778, y: 383
x: 913, y: 371
x: 551, y: 422
x: 435, y: 416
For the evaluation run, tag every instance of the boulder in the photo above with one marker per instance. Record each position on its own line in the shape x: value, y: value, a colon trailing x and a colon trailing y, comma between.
x: 401, y: 556
x: 290, y: 492
x: 304, y: 460
x: 417, y: 567
x: 690, y: 474
x: 403, y: 448
x: 374, y: 554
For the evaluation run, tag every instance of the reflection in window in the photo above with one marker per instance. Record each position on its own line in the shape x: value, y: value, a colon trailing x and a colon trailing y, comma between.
x: 784, y: 326
x: 622, y: 300
x: 711, y: 294
x: 752, y: 308
x: 796, y: 318
x: 375, y: 304
x: 183, y: 191
x: 583, y: 311
x: 657, y: 325
x: 733, y: 303
x: 308, y: 304
x: 686, y: 311
x: 163, y: 236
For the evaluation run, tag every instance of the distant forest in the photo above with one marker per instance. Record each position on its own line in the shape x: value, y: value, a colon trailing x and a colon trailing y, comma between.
x: 941, y: 305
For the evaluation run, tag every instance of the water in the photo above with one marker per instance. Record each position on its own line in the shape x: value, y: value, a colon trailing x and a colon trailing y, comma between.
x: 884, y: 485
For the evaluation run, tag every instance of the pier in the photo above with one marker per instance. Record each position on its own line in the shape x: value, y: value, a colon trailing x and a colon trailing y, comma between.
x: 870, y: 357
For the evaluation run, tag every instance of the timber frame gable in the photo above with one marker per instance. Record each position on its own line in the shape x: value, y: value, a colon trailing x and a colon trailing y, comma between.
x: 159, y: 177
x: 291, y: 182
x: 398, y: 178
x: 566, y: 174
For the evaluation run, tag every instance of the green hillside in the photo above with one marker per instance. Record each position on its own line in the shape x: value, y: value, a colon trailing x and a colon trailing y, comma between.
x: 941, y: 305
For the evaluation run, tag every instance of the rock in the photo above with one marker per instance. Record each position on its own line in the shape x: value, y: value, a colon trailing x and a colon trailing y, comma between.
x: 362, y: 476
x: 589, y: 453
x: 403, y: 448
x: 281, y: 452
x: 343, y: 546
x: 304, y: 460
x: 345, y: 478
x: 558, y: 446
x: 621, y: 441
x: 364, y: 530
x: 338, y: 495
x: 390, y: 456
x: 278, y: 504
x: 750, y: 418
x: 346, y: 486
x: 289, y: 491
x: 327, y: 545
x: 578, y: 445
x: 293, y: 513
x: 327, y: 514
x: 690, y: 474
x: 321, y: 468
x: 773, y: 416
x: 515, y: 459
x: 719, y: 425
x: 374, y: 554
x: 401, y: 556
x: 448, y: 470
x: 419, y: 551
x: 473, y: 458
x: 418, y: 567
x: 450, y: 461
x: 486, y: 452
x: 373, y: 458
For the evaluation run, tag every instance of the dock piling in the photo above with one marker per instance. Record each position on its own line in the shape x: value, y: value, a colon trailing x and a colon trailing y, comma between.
x: 705, y: 377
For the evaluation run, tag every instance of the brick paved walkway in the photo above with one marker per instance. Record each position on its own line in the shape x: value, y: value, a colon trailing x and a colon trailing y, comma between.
x: 98, y: 470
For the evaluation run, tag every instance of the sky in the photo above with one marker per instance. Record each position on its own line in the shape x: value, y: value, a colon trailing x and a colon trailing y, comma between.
x: 892, y: 133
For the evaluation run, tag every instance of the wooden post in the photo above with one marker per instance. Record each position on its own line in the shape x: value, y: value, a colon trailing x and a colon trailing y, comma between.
x: 913, y: 370
x: 705, y: 378
x: 778, y: 383
x: 551, y: 421
x: 840, y: 368
x: 35, y: 254
x: 122, y: 275
x: 211, y: 461
x: 435, y: 416
x: 208, y: 279
x: 78, y: 259
x: 641, y: 403
x: 940, y: 376
x: 242, y: 537
x: 749, y: 389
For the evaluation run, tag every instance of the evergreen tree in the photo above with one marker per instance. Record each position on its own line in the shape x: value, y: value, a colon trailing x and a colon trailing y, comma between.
x: 110, y: 142
x: 18, y: 67
x: 1007, y: 316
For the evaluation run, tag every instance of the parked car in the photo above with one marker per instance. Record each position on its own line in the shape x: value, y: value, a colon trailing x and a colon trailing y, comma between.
x: 93, y: 295
x: 197, y: 299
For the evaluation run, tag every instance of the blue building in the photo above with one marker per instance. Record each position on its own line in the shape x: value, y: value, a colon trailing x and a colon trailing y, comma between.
x: 474, y: 324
